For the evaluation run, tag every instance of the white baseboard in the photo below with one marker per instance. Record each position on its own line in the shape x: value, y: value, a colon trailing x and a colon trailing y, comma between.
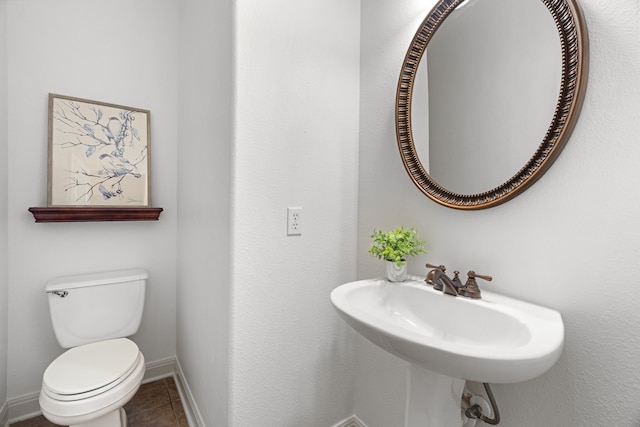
x: 23, y: 407
x: 27, y: 406
x: 194, y: 418
x: 352, y: 421
x: 4, y: 415
x: 159, y: 369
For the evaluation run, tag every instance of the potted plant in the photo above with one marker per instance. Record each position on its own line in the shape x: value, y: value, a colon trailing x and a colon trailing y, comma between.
x: 394, y: 247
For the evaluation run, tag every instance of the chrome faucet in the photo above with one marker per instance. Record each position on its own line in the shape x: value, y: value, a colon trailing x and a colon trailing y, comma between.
x: 441, y: 282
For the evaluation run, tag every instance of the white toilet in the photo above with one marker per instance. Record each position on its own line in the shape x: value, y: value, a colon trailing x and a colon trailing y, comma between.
x: 88, y: 385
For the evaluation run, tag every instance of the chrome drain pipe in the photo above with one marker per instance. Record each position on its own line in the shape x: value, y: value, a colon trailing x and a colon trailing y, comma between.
x: 475, y: 411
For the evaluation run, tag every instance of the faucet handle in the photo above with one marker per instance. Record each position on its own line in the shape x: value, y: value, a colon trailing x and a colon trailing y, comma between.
x: 472, y: 274
x: 471, y: 289
x: 431, y: 274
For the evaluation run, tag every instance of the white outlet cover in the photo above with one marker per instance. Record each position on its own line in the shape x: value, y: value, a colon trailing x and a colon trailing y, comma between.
x: 294, y: 221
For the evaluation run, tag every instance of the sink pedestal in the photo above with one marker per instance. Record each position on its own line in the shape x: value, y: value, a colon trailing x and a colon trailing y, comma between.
x: 433, y: 400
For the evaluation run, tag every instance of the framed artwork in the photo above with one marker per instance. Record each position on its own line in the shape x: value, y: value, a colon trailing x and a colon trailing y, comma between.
x: 99, y: 154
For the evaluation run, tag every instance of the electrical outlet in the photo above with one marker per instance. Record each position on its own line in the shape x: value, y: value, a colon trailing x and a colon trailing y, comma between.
x: 294, y: 221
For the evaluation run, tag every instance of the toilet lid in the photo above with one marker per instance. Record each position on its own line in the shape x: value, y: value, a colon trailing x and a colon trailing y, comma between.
x: 91, y: 366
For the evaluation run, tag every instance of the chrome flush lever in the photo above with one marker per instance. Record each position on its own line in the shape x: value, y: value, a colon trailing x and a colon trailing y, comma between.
x: 61, y: 294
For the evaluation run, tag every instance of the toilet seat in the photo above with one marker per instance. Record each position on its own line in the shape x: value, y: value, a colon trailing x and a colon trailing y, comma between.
x: 88, y: 370
x: 68, y: 399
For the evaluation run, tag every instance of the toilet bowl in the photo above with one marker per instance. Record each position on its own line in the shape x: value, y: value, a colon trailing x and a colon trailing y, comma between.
x: 88, y: 385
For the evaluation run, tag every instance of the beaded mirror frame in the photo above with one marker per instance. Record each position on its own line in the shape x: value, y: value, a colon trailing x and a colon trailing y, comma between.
x: 572, y: 31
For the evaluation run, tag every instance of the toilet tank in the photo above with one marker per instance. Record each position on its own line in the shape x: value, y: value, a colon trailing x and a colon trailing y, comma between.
x: 96, y: 307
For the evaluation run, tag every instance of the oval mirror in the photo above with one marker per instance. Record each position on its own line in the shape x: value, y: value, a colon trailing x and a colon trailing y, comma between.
x: 488, y: 95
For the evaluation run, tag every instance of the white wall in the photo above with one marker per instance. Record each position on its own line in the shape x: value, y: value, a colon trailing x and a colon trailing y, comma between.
x: 82, y: 48
x: 296, y: 144
x: 297, y: 106
x: 386, y: 196
x: 3, y: 206
x: 569, y: 242
x: 204, y: 203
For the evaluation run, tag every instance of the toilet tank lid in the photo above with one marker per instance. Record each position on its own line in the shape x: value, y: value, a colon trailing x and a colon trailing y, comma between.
x: 93, y: 279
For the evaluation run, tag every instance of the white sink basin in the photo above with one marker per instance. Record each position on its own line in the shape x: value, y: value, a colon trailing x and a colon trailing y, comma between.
x: 496, y: 339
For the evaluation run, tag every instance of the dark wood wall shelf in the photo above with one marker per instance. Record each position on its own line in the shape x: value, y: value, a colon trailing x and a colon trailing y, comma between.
x: 86, y: 214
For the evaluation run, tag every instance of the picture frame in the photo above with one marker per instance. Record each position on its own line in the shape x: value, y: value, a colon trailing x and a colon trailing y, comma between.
x: 99, y: 154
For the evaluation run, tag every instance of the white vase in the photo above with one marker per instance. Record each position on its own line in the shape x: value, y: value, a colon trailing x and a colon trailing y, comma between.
x: 396, y: 273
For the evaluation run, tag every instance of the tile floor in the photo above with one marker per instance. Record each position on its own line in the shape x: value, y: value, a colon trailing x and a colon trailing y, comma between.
x: 156, y: 404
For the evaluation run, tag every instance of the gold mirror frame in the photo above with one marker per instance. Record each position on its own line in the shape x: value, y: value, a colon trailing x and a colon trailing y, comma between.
x: 569, y: 21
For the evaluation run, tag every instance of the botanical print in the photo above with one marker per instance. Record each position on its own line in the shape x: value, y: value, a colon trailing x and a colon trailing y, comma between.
x: 99, y: 154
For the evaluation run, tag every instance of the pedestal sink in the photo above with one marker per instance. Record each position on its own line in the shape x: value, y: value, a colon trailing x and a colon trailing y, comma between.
x: 496, y: 339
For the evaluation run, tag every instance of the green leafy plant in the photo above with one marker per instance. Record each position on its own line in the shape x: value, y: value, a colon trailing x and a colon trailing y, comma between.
x: 396, y: 245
